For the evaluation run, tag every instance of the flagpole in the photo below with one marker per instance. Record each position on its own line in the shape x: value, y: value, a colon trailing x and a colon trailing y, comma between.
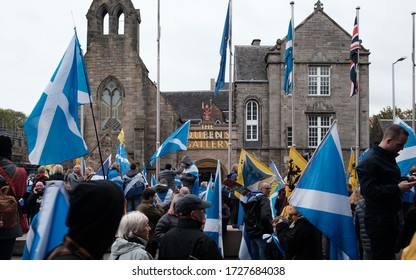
x: 82, y: 135
x: 230, y: 95
x: 158, y: 93
x: 93, y: 117
x: 292, y: 3
x: 357, y: 98
x: 413, y: 76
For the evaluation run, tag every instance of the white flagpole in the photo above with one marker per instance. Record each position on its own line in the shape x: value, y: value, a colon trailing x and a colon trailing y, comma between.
x: 357, y: 97
x: 292, y: 3
x: 230, y: 94
x: 158, y: 93
x: 413, y: 76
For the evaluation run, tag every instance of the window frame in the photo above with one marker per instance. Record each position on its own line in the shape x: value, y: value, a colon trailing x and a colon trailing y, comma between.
x: 322, y: 85
x: 251, y: 121
x: 317, y: 131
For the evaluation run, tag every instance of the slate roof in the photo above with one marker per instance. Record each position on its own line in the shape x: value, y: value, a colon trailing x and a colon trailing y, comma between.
x: 188, y: 104
x: 250, y: 62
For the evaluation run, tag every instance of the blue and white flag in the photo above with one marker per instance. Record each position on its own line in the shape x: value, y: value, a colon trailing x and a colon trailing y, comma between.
x: 49, y: 228
x: 323, y: 200
x: 276, y: 185
x: 122, y: 159
x: 213, y: 224
x: 177, y: 141
x: 407, y: 157
x: 289, y: 61
x: 52, y: 129
x: 226, y: 35
x: 178, y: 182
x: 144, y: 172
x: 245, y: 246
x: 153, y: 184
x: 99, y: 175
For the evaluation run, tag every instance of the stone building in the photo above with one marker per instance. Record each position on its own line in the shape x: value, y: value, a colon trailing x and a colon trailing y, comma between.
x: 125, y: 97
x: 321, y: 92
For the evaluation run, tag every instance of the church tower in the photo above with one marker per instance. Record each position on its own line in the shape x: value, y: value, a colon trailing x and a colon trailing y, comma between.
x: 123, y: 95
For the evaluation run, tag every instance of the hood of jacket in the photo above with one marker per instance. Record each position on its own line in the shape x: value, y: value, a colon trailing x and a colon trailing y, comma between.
x: 131, y: 173
x: 122, y: 246
x: 186, y: 159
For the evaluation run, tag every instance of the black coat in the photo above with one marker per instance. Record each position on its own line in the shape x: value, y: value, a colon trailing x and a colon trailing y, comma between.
x: 187, y: 241
x: 301, y: 241
x: 379, y: 177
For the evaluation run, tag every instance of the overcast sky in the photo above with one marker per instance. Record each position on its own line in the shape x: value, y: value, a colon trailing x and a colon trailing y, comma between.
x: 35, y: 35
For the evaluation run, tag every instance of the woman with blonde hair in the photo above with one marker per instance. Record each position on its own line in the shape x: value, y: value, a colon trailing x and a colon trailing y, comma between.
x: 132, y: 237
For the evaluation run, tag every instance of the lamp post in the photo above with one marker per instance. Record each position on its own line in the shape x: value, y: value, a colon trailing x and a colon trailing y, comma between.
x: 392, y: 71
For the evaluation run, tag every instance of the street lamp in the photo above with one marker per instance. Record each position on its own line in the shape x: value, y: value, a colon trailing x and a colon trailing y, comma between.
x: 392, y: 68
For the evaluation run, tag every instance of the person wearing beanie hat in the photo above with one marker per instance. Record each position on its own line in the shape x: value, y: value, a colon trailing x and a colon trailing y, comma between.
x: 187, y: 240
x: 95, y: 211
x: 17, y: 176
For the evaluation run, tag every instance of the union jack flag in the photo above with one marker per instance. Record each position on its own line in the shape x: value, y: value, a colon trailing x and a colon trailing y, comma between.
x: 355, y: 46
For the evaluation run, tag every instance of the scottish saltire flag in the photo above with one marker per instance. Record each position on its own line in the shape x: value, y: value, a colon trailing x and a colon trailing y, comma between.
x: 153, y: 182
x: 352, y: 172
x: 123, y: 159
x: 289, y: 61
x: 297, y: 163
x: 101, y: 174
x: 354, y: 52
x: 213, y: 224
x: 244, y: 253
x: 144, y: 172
x: 177, y: 141
x: 52, y: 129
x: 407, y: 157
x: 226, y: 35
x: 251, y: 171
x: 323, y: 200
x: 49, y: 228
x: 276, y: 185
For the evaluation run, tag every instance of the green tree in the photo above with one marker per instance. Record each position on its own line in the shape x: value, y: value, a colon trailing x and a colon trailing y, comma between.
x: 376, y: 130
x: 11, y: 120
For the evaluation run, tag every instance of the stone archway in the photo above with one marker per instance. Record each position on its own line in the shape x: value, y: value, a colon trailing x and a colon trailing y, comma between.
x: 207, y: 167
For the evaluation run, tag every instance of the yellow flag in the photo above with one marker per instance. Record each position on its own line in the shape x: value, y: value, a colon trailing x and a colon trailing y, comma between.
x: 296, y: 166
x: 352, y: 172
x: 121, y: 137
x: 251, y: 171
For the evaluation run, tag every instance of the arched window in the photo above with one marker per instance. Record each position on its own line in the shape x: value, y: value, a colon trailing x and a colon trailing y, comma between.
x: 111, y: 107
x: 106, y: 23
x: 252, y: 121
x: 120, y: 23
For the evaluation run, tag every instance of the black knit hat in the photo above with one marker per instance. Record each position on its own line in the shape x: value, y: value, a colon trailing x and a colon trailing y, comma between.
x: 5, y: 146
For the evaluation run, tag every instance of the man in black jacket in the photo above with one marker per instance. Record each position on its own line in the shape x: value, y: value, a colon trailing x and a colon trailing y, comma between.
x: 382, y: 186
x: 187, y: 240
x: 258, y: 219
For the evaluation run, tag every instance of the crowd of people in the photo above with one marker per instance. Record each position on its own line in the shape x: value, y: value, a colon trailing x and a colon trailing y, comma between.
x: 166, y: 221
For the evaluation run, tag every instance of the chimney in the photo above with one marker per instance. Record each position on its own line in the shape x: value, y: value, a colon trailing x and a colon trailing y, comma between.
x: 212, y: 84
x: 256, y: 42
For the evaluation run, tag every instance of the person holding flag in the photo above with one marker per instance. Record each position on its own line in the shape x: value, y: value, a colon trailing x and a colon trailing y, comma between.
x: 190, y: 175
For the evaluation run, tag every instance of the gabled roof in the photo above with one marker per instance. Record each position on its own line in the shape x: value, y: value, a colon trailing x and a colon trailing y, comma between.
x: 188, y: 104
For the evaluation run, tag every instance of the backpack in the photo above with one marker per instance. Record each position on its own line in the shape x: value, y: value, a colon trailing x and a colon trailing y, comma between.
x: 8, y: 208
